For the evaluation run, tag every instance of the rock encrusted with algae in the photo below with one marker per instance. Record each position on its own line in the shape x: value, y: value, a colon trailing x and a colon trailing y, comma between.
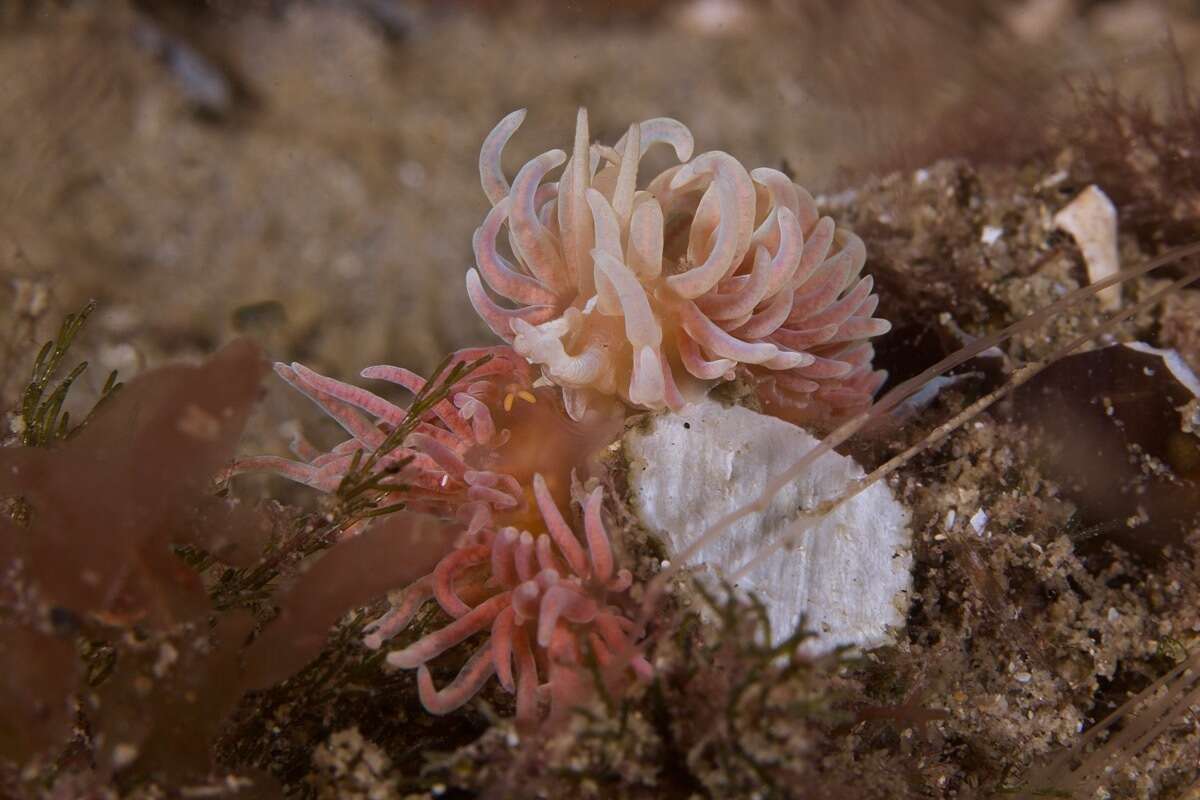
x: 847, y: 577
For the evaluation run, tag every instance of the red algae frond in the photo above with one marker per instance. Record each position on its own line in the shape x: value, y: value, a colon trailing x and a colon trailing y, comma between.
x: 651, y: 295
x: 548, y: 603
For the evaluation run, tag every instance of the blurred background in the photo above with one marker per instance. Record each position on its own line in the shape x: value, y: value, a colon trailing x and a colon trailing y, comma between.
x: 306, y: 170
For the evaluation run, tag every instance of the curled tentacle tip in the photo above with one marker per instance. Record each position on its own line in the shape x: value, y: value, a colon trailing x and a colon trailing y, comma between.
x: 589, y: 242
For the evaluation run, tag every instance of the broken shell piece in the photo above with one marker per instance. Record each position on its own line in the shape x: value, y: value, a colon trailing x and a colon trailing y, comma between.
x: 848, y: 577
x: 1091, y: 219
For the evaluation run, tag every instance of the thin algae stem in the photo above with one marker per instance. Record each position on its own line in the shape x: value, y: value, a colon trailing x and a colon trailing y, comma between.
x: 1130, y: 729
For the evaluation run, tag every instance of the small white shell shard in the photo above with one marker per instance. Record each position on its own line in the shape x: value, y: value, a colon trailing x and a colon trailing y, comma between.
x: 849, y: 576
x: 1091, y: 219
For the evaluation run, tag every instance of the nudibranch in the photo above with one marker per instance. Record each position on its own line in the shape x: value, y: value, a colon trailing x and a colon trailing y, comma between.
x: 651, y: 295
x: 551, y: 610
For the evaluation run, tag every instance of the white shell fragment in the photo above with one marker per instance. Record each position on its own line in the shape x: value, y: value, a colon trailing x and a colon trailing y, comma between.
x: 1091, y: 219
x: 849, y: 576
